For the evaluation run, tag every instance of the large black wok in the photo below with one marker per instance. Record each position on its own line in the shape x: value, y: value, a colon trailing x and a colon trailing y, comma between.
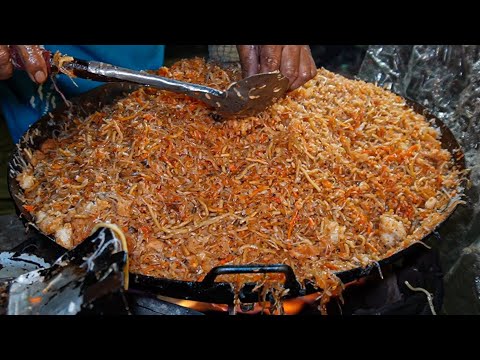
x: 207, y: 290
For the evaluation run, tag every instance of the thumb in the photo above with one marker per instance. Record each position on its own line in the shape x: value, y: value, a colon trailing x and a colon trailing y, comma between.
x: 30, y: 57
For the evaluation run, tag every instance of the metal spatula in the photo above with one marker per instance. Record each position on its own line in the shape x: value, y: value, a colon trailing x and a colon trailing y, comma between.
x: 245, y: 97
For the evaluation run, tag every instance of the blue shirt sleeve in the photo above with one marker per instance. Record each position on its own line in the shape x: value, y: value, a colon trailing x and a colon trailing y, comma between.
x: 22, y: 102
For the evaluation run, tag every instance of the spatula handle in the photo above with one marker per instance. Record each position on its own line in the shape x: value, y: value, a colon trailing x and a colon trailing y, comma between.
x: 143, y: 78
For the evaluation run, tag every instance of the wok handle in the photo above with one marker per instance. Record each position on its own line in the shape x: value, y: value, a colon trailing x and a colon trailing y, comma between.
x: 290, y: 279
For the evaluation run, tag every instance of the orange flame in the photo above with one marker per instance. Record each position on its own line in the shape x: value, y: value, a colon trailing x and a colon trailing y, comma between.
x: 290, y: 307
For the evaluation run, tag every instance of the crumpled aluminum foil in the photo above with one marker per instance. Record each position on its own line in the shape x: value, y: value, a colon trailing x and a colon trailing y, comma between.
x: 443, y: 78
x: 446, y: 80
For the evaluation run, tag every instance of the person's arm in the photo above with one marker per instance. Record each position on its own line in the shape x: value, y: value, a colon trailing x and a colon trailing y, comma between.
x: 32, y: 60
x: 293, y: 61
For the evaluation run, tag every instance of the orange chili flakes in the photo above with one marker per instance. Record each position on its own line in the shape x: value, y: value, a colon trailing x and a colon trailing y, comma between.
x: 145, y: 230
x: 327, y: 184
x: 29, y: 208
x: 292, y: 224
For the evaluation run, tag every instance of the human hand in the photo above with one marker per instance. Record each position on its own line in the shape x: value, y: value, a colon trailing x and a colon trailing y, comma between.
x: 294, y: 61
x: 31, y: 58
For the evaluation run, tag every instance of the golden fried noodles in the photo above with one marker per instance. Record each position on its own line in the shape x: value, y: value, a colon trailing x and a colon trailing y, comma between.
x: 337, y: 175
